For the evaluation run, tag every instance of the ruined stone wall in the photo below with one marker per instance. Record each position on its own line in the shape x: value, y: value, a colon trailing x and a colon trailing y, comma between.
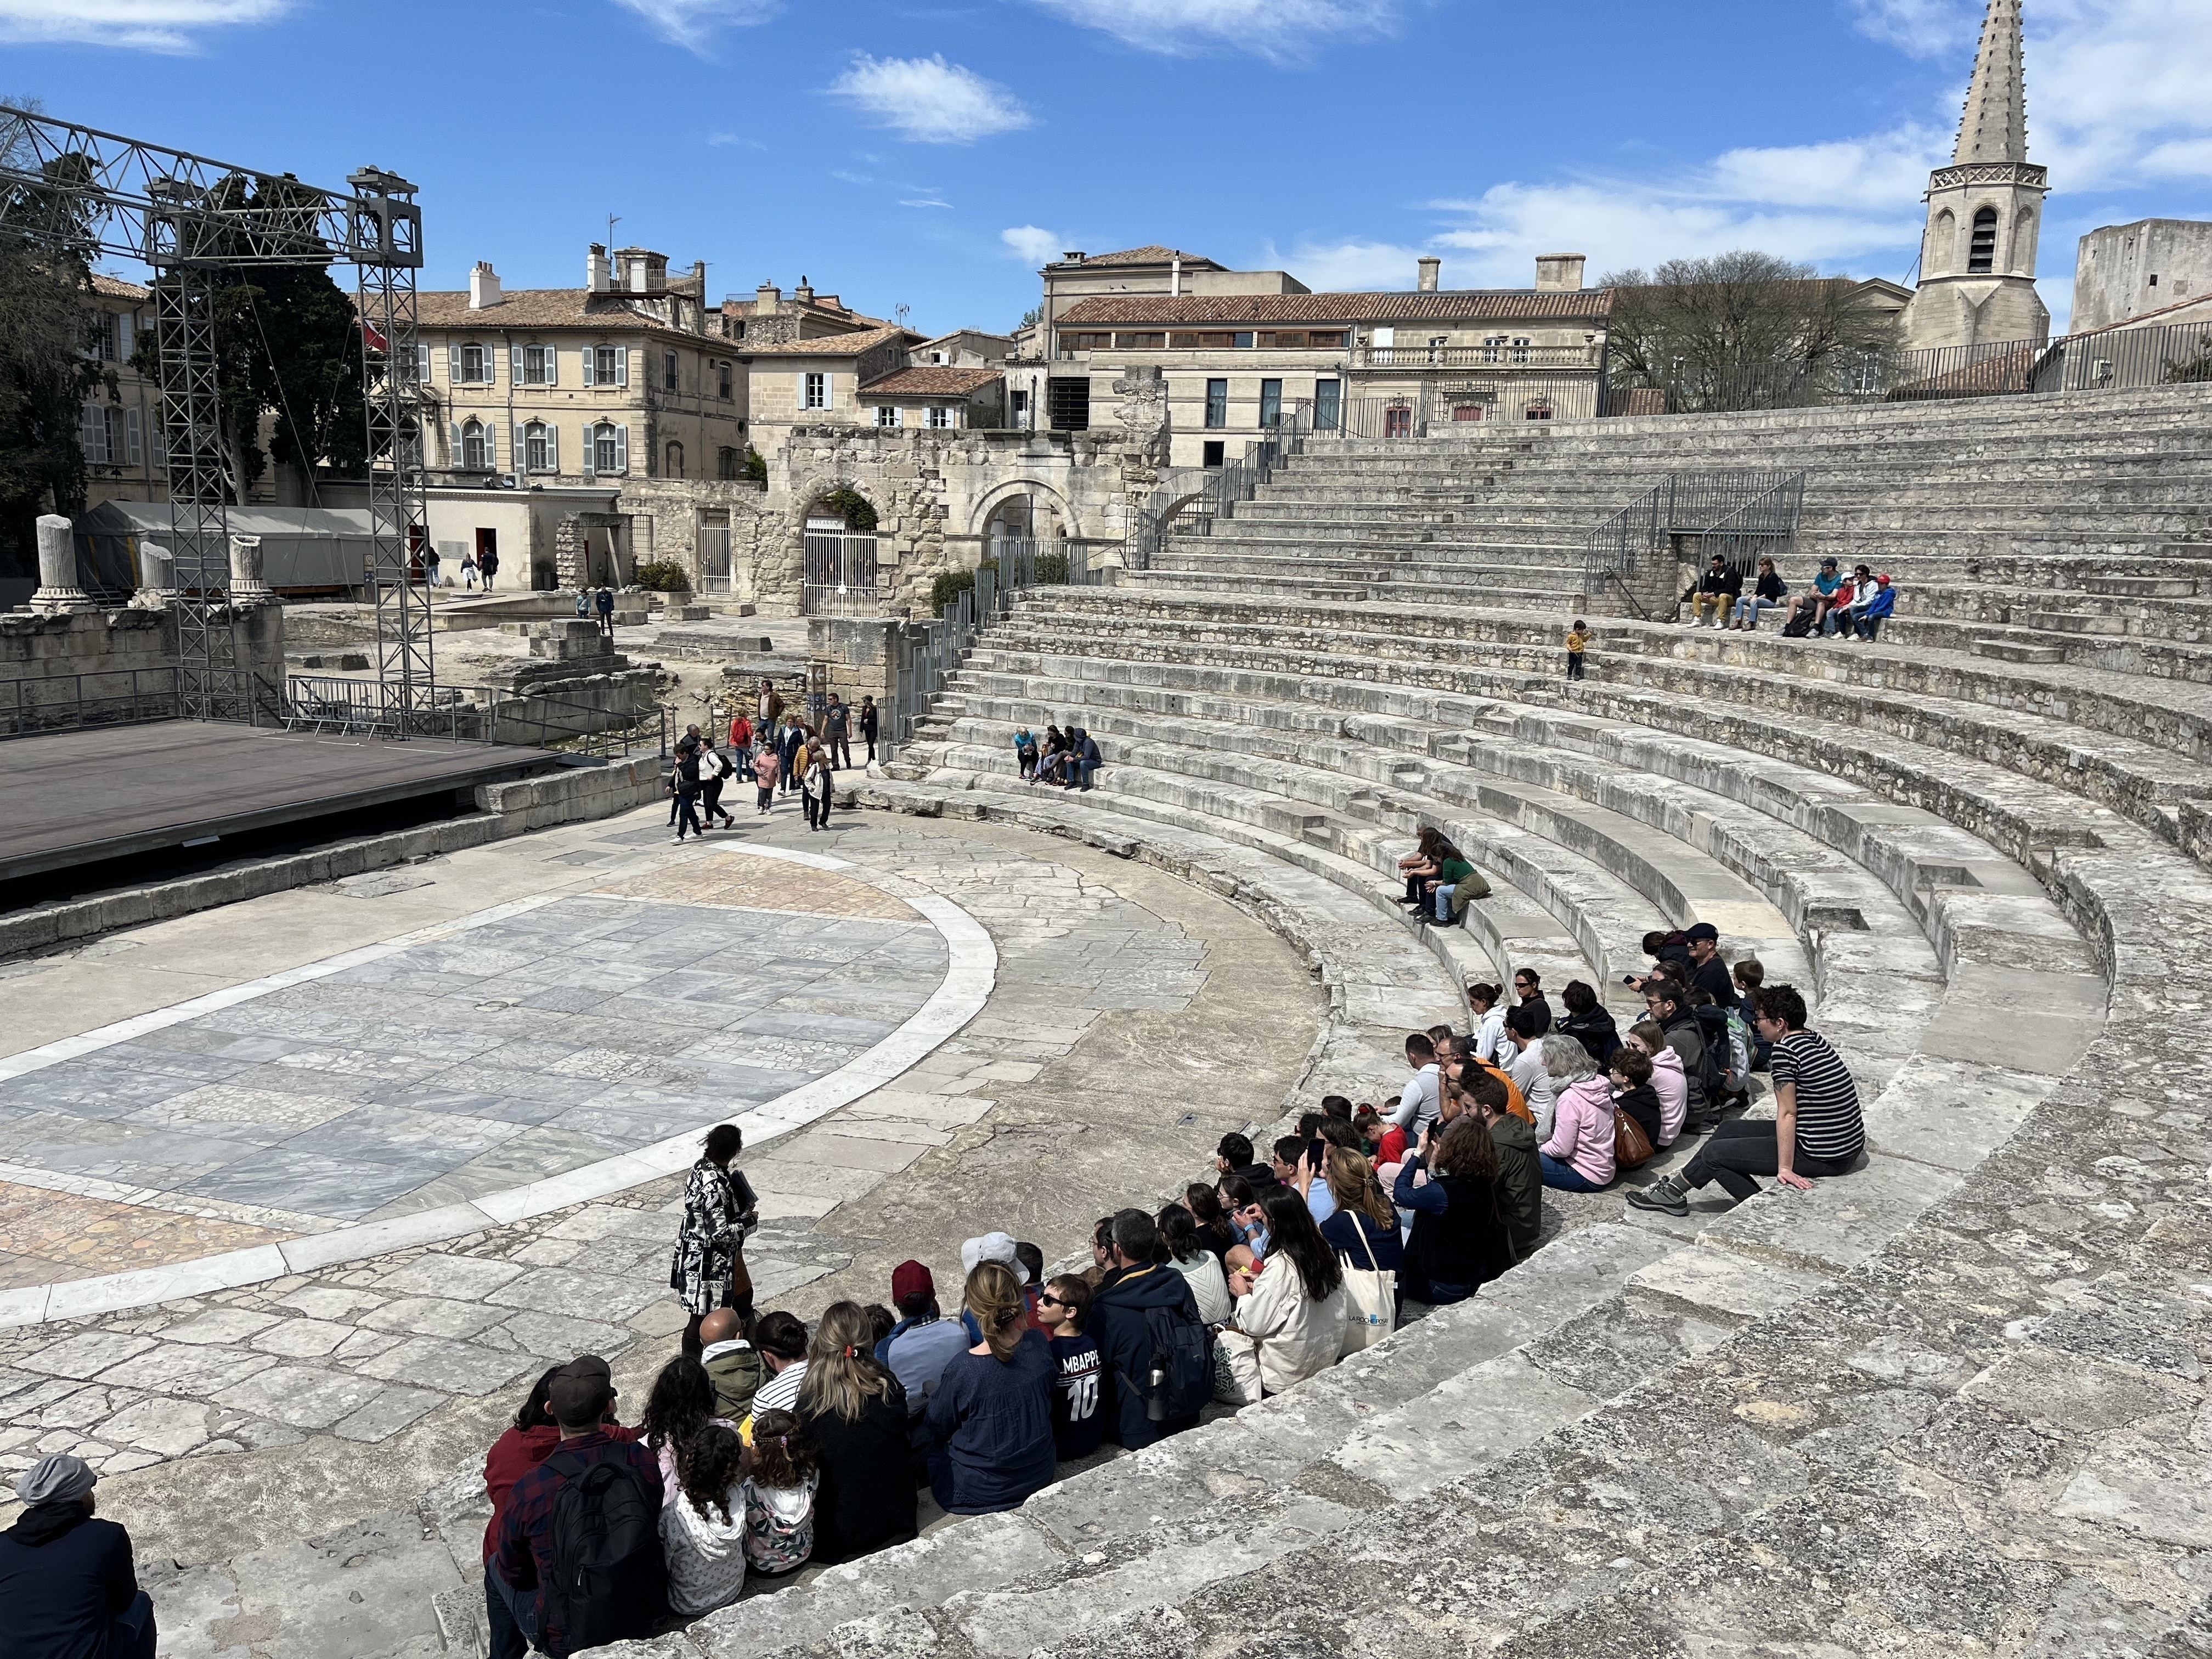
x: 933, y: 491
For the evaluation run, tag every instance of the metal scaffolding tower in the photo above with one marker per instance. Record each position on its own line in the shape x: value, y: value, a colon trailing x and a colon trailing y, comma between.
x: 88, y: 192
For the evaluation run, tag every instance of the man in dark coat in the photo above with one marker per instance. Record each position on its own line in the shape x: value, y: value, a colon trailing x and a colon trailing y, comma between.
x: 68, y: 1585
x: 1133, y: 1283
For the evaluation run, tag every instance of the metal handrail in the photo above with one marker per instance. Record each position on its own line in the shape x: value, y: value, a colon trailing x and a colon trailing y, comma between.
x: 2106, y: 360
x: 143, y: 695
x: 487, y: 714
x: 1748, y: 513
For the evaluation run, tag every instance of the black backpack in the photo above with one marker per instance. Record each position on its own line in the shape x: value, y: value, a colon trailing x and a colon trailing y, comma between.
x: 610, y: 1580
x: 1183, y: 1362
x: 1798, y: 626
x: 1713, y: 1063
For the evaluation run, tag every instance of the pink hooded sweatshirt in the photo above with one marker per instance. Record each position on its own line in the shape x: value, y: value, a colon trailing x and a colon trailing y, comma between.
x: 1673, y: 1091
x: 1582, y: 1130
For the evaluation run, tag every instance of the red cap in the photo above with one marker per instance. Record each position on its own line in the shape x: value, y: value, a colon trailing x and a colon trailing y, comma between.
x: 911, y: 1278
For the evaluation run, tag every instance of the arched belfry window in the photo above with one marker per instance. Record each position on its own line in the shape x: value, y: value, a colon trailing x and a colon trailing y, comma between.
x: 1982, y: 251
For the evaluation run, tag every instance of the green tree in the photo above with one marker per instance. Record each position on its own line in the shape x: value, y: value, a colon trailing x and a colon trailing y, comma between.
x: 45, y: 375
x: 288, y: 343
x: 1737, y: 330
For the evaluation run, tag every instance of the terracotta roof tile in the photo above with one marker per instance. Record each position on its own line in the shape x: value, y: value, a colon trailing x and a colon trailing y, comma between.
x: 542, y: 307
x: 1476, y: 306
x: 933, y: 380
x: 828, y: 345
x: 114, y: 287
x: 1151, y: 254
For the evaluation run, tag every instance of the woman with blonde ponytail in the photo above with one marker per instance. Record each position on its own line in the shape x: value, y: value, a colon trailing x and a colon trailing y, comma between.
x: 991, y: 1417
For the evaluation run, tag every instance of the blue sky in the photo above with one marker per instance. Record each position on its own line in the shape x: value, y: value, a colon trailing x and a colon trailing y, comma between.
x: 930, y: 155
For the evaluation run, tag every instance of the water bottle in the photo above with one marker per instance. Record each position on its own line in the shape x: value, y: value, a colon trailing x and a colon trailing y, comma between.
x: 1156, y: 1392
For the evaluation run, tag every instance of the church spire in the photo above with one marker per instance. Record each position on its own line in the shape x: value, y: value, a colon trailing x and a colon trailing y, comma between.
x: 1994, y: 125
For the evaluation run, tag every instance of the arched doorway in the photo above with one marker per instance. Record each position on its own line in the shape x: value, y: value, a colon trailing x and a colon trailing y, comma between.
x: 838, y: 557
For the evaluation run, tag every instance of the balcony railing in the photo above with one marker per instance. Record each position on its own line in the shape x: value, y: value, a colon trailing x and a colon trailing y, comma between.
x: 1478, y: 356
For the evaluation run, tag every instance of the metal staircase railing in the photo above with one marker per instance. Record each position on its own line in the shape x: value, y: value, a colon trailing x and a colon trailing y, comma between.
x: 1742, y: 516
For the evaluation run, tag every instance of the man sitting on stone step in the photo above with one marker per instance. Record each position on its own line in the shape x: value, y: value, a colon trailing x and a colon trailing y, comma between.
x: 1817, y: 1129
x: 1716, y: 590
x: 68, y: 1587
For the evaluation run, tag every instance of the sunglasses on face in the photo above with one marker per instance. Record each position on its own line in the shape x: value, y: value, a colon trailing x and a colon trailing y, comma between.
x: 1050, y: 1301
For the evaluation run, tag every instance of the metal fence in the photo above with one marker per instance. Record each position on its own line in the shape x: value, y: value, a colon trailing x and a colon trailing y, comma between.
x: 1188, y: 499
x: 823, y: 601
x: 931, y: 659
x: 2121, y: 359
x: 606, y: 724
x: 60, y: 703
x: 840, y: 571
x: 1742, y: 516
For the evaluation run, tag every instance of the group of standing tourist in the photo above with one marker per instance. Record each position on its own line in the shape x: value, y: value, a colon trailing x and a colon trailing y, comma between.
x: 777, y: 754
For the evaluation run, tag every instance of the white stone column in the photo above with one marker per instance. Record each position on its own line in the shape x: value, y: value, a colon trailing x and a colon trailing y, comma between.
x: 157, y: 576
x: 58, y: 589
x: 247, y: 586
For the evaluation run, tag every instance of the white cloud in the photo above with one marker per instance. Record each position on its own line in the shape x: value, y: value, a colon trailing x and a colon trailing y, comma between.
x: 1352, y: 265
x: 692, y: 24
x: 923, y: 202
x: 1031, y: 244
x: 2116, y: 101
x: 2117, y: 89
x: 1925, y: 28
x: 930, y: 100
x: 141, y: 25
x: 1273, y: 29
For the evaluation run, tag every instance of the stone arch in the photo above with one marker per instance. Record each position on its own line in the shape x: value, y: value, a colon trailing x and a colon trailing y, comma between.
x: 1039, y: 502
x: 1942, y: 244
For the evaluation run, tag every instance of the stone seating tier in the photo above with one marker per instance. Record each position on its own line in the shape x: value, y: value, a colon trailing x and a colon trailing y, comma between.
x: 2131, y: 745
x: 1936, y: 1402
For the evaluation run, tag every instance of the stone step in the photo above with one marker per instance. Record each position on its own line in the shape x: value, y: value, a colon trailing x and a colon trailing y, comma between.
x: 1756, y: 818
x: 2142, y: 587
x: 2173, y: 718
x: 2138, y: 777
x: 2008, y: 650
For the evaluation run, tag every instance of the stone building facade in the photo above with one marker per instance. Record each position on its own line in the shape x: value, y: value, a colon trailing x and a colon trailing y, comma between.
x: 629, y: 376
x: 939, y: 495
x: 1238, y: 350
x: 2123, y: 271
x: 125, y: 457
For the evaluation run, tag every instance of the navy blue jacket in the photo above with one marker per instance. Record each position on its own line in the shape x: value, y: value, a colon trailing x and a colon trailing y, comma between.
x: 1117, y: 1323
x: 64, y: 1576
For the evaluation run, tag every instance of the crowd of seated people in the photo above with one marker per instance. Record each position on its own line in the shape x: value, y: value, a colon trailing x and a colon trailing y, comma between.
x: 1835, y: 606
x: 776, y: 1446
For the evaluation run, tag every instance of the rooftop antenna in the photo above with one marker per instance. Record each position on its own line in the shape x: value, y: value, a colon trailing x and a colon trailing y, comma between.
x: 613, y: 219
x: 900, y: 312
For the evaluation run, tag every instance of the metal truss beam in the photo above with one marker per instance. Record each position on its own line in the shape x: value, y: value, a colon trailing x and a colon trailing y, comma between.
x: 91, y: 193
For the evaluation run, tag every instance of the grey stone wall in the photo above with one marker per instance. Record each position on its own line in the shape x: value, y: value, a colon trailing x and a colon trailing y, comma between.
x: 130, y: 652
x: 934, y: 491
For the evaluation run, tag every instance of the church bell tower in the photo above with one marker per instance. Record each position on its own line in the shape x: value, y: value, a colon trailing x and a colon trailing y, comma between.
x: 1978, y: 254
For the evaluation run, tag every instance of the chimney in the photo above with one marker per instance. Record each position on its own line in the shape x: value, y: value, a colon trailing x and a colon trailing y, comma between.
x: 598, y: 276
x: 1558, y: 272
x: 804, y: 293
x: 1074, y: 258
x: 767, y: 300
x: 1428, y: 265
x: 483, y: 286
x: 1174, y: 275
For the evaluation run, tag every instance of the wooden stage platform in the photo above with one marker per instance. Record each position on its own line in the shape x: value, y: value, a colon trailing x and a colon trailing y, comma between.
x: 68, y: 799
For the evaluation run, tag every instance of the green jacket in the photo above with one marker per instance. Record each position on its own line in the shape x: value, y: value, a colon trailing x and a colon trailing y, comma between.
x: 1520, y: 1181
x: 735, y: 1369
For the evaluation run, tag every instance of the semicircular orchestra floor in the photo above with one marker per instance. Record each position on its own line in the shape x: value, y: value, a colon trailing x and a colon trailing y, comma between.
x: 520, y: 1041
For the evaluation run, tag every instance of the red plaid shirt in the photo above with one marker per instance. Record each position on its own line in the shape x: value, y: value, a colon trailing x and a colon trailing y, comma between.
x: 526, y: 1532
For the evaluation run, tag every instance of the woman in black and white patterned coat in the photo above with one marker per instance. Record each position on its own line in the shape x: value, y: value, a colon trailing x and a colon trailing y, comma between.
x: 708, y: 1271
